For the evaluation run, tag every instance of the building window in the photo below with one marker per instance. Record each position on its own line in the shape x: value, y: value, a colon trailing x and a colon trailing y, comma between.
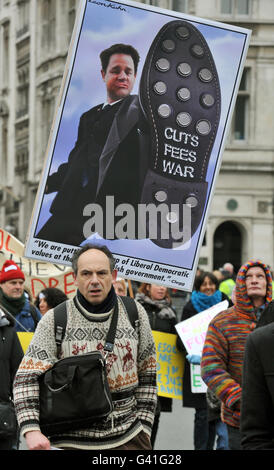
x: 176, y: 5
x: 48, y: 106
x: 4, y: 149
x: 180, y: 5
x: 5, y: 53
x: 48, y: 16
x: 23, y: 18
x: 23, y: 92
x: 235, y: 7
x: 239, y: 122
x: 71, y: 16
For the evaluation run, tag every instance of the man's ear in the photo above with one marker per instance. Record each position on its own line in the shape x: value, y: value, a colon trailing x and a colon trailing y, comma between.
x: 103, y: 74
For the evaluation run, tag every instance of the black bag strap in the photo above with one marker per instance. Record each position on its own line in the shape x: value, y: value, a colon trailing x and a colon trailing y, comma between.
x: 60, y: 323
x: 110, y: 339
x: 33, y: 313
x: 60, y: 319
x: 131, y: 309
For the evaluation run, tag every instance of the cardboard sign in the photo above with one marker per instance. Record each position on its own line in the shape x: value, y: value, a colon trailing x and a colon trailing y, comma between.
x: 193, y: 330
x: 141, y: 179
x: 170, y: 365
x: 197, y: 383
x: 25, y: 339
x: 38, y: 274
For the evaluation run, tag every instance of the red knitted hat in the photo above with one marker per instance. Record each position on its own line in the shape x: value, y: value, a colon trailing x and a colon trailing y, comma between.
x: 10, y: 270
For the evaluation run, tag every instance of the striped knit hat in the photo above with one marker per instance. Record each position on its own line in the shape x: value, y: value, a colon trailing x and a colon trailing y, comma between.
x: 243, y: 302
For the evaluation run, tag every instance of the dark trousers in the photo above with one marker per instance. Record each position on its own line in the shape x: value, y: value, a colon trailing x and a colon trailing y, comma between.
x: 204, y: 431
x: 234, y: 438
x: 155, y: 430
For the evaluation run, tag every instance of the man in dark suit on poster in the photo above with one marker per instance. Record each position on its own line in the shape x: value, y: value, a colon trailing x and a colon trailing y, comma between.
x: 106, y: 159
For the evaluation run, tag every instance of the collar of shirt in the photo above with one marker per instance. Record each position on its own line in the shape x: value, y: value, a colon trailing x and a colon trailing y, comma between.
x: 258, y: 311
x: 110, y: 104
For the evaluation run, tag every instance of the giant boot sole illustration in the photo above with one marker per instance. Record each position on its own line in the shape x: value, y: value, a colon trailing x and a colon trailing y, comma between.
x: 181, y: 100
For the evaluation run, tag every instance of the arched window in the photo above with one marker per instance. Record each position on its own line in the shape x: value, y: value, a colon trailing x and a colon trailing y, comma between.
x: 227, y: 246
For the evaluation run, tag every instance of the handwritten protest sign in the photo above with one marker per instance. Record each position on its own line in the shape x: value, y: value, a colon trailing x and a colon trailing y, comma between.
x: 170, y: 365
x: 193, y: 332
x: 38, y: 274
x: 196, y: 381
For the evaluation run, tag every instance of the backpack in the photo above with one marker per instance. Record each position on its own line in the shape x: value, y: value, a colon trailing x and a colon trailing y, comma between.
x: 60, y: 319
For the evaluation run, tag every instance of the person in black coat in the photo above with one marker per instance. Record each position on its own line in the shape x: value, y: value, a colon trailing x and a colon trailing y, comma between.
x: 204, y: 296
x: 106, y: 160
x: 162, y: 317
x: 11, y: 354
x: 257, y: 406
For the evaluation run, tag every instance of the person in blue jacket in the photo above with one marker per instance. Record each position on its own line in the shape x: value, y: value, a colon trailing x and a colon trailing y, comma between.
x: 14, y: 300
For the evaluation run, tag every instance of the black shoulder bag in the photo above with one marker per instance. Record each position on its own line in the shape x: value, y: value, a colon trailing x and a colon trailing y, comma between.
x: 8, y: 422
x: 75, y: 393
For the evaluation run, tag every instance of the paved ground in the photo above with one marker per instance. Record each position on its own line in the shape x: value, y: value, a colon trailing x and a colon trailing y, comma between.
x: 176, y: 429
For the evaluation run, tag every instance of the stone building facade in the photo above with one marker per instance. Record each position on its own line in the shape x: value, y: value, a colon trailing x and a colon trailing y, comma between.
x: 34, y: 39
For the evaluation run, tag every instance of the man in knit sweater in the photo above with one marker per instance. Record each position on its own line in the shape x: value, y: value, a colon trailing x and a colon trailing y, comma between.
x: 223, y: 352
x: 131, y: 367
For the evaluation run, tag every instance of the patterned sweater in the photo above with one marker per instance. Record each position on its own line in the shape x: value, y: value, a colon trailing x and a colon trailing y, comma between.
x: 223, y: 352
x: 131, y: 369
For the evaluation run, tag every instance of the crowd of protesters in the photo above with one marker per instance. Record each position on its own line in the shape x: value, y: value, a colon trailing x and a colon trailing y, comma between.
x: 237, y: 410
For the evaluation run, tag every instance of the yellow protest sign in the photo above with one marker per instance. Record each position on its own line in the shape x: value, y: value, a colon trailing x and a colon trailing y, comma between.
x: 170, y: 365
x: 25, y: 339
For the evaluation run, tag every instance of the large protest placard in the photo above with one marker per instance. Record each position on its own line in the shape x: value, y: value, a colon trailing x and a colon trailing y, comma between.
x: 170, y: 365
x: 138, y: 176
x: 193, y: 332
x: 38, y: 274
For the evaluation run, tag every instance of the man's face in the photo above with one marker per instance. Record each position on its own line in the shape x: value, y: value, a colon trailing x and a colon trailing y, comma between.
x: 119, y: 77
x: 256, y: 284
x: 94, y: 278
x: 13, y: 288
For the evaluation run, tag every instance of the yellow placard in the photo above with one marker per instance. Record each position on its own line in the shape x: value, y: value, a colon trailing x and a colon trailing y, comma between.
x: 25, y: 339
x: 170, y: 365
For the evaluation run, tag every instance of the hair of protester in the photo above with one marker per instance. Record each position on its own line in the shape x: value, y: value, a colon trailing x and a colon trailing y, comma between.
x: 145, y: 289
x: 119, y: 49
x: 91, y: 246
x: 200, y: 279
x: 53, y: 296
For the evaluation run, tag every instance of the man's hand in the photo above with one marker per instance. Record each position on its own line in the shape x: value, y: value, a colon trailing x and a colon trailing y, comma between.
x: 37, y: 441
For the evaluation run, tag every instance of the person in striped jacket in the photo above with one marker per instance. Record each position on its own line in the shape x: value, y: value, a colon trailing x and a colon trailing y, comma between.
x: 223, y: 352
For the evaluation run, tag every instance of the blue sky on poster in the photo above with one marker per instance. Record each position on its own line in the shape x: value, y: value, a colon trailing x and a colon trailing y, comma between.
x: 103, y: 27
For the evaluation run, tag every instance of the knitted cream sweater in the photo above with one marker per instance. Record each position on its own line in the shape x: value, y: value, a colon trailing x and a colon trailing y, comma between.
x: 131, y: 369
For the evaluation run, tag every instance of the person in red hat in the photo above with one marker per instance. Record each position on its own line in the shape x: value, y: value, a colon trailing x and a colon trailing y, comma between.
x: 13, y: 299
